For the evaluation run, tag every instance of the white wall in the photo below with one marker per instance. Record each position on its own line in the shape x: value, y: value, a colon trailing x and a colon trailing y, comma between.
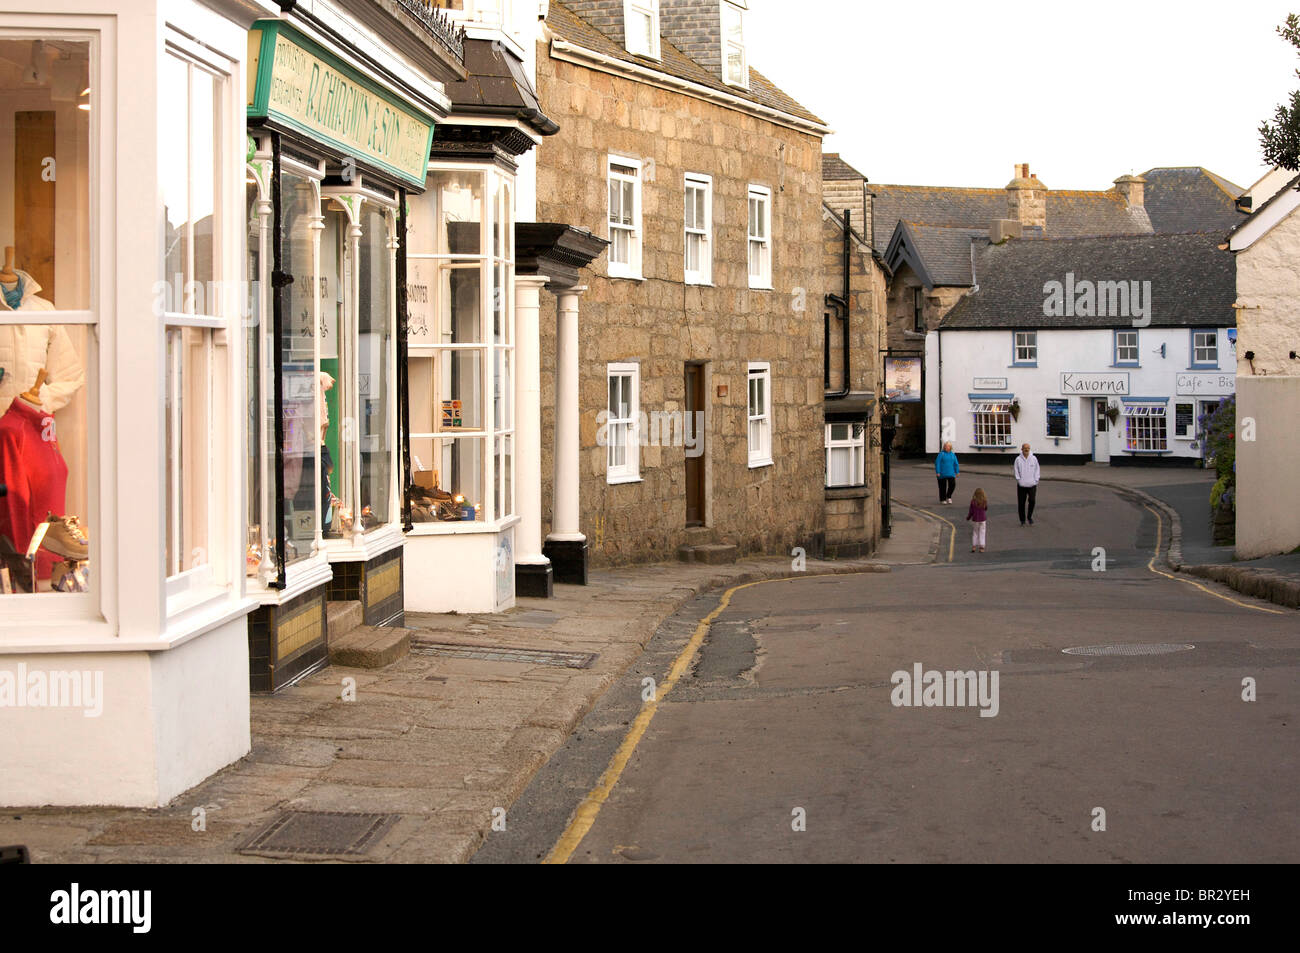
x: 1268, y: 495
x: 970, y: 354
x: 1268, y: 289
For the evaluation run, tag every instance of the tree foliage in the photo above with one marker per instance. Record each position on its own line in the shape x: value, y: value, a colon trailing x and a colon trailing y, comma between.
x: 1280, y: 140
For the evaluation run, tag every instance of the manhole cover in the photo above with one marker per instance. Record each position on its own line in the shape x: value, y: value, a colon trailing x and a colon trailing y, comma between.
x: 329, y: 833
x: 504, y: 653
x: 1135, y: 648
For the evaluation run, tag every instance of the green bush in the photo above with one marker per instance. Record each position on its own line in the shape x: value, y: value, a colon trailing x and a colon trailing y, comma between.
x: 1219, y: 449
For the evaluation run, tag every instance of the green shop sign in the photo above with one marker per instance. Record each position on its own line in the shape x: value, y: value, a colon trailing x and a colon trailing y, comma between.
x: 298, y: 84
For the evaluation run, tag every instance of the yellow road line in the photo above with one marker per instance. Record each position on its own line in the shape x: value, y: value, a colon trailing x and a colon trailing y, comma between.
x: 585, y: 816
x: 1151, y: 564
x: 952, y: 540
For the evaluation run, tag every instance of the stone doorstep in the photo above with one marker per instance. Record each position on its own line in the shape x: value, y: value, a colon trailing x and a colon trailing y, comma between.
x: 342, y: 618
x: 711, y: 554
x: 370, y: 646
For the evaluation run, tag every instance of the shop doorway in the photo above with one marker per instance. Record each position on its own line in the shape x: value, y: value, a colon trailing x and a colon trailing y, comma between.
x: 1100, y: 431
x: 693, y: 440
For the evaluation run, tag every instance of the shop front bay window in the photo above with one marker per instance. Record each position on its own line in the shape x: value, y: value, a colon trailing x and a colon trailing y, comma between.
x: 48, y: 325
x: 322, y: 429
x: 460, y: 272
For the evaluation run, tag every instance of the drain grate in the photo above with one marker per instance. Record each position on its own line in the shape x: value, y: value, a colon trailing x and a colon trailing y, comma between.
x: 327, y: 833
x: 1134, y: 648
x: 504, y: 653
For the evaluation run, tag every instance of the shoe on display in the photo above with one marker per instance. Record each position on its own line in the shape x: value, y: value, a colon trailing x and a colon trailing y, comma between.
x: 65, y: 537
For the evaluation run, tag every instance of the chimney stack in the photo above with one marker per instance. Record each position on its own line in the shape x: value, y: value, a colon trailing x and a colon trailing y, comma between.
x: 1027, y: 199
x: 1131, y: 187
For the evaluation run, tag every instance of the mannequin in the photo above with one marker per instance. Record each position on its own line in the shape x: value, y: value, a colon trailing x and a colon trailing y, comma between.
x: 33, y: 470
x: 26, y: 348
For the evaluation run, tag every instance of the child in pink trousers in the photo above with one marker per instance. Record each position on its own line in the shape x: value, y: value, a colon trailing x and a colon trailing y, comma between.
x: 978, y: 517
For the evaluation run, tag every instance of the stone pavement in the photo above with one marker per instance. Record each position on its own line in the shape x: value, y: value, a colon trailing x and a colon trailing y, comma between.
x: 442, y: 741
x: 1182, y: 495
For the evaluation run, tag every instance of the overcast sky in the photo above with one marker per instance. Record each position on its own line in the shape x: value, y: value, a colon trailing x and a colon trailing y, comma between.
x: 956, y: 92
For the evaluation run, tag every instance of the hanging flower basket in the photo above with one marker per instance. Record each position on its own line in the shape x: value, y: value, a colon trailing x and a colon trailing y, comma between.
x: 1015, y: 410
x: 1112, y: 412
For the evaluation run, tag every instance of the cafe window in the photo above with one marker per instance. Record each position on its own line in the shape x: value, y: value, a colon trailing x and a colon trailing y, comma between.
x: 49, y: 327
x: 460, y: 278
x: 1144, y: 428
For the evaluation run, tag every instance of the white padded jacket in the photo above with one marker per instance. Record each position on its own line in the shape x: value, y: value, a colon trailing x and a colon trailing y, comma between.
x: 26, y: 348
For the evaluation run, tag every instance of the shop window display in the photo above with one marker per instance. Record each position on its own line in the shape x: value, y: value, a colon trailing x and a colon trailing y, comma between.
x: 46, y: 103
x: 460, y: 272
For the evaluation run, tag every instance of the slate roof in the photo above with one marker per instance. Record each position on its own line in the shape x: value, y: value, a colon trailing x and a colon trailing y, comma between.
x: 597, y: 25
x: 1193, y: 283
x: 1190, y: 199
x: 497, y: 84
x: 1070, y: 214
x: 943, y: 253
x: 835, y: 169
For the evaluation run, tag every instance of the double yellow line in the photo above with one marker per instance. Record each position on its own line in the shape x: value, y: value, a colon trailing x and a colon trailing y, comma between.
x: 1151, y: 564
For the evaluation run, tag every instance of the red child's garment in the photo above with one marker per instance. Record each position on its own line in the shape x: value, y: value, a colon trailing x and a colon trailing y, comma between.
x: 33, y: 470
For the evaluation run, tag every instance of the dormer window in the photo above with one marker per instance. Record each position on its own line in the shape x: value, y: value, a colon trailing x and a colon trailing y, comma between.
x: 641, y: 25
x: 735, y: 70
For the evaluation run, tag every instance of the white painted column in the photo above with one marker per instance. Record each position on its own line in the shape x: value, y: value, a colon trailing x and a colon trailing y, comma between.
x: 528, y: 420
x: 564, y: 523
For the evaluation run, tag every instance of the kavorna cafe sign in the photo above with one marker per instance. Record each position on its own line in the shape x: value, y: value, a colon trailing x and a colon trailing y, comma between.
x: 297, y: 84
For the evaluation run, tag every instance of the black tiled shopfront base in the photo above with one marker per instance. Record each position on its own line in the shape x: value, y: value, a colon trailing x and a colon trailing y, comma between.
x: 377, y: 584
x: 568, y: 560
x: 534, y: 580
x: 286, y: 642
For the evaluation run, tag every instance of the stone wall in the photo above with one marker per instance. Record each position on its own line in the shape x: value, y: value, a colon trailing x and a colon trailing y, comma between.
x: 661, y: 323
x: 899, y: 321
x: 1268, y: 284
x: 842, y: 194
x: 853, y: 515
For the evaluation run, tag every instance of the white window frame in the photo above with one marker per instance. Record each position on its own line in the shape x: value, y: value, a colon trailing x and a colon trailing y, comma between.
x: 1120, y: 360
x: 760, y: 450
x: 1140, y: 434
x: 650, y: 10
x: 991, y: 419
x: 759, y: 244
x: 210, y: 577
x: 495, y: 264
x: 1213, y: 360
x: 632, y: 267
x: 856, y: 447
x: 732, y: 10
x: 702, y: 231
x: 630, y: 470
x: 1030, y: 347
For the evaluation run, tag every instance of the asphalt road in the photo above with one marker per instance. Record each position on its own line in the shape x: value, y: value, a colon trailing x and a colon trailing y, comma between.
x: 785, y: 719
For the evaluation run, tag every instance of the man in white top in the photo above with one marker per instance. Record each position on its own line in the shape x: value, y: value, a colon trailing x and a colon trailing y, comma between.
x: 1027, y: 476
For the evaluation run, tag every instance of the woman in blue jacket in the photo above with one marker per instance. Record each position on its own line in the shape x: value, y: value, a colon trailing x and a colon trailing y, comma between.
x: 946, y: 469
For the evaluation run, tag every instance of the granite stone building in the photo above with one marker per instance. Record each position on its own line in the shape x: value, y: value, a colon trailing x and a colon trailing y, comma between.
x: 854, y: 337
x: 700, y: 338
